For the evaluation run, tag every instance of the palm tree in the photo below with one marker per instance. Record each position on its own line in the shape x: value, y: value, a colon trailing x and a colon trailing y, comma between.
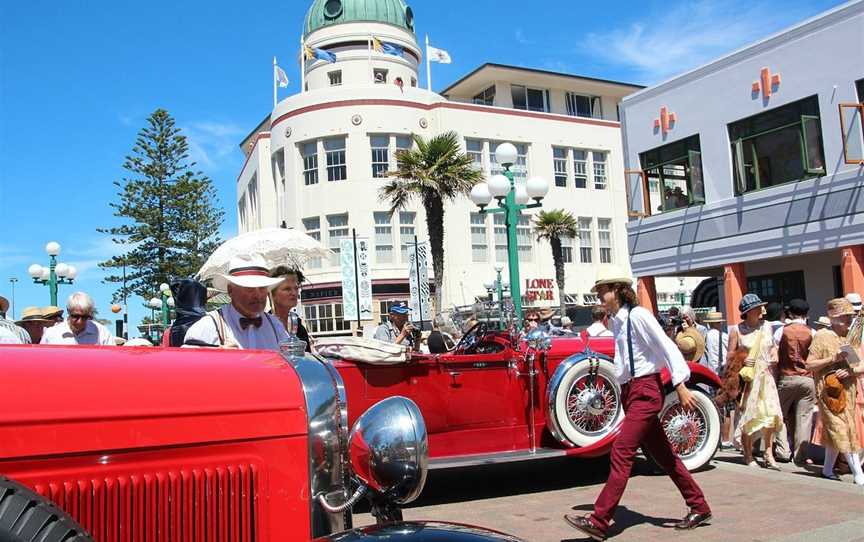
x: 553, y: 225
x: 435, y: 171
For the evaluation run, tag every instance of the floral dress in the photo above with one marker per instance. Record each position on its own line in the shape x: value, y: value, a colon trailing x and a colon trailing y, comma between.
x: 839, y: 431
x: 761, y: 404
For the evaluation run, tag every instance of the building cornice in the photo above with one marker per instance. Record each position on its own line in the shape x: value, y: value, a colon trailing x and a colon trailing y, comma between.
x: 806, y: 27
x: 259, y: 137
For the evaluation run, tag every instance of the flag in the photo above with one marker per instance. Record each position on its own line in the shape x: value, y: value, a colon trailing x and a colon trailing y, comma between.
x: 320, y: 54
x: 438, y: 55
x: 281, y: 77
x: 386, y: 47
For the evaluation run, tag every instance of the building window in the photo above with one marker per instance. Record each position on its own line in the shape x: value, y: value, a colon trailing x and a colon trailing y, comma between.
x: 413, y: 81
x: 406, y: 232
x: 474, y: 149
x: 500, y: 233
x: 380, y: 155
x: 599, y: 160
x: 486, y: 97
x: 523, y: 238
x: 324, y: 318
x: 334, y: 149
x: 586, y: 250
x: 309, y: 152
x: 779, y: 287
x: 479, y: 245
x: 403, y: 143
x: 531, y: 99
x: 312, y: 225
x: 277, y: 164
x: 580, y: 168
x: 583, y: 106
x: 380, y: 75
x: 253, y: 201
x: 778, y: 146
x: 604, y: 239
x: 337, y: 229
x: 519, y: 169
x: 559, y: 164
x: 675, y: 169
x: 566, y: 249
x: 383, y: 238
x: 335, y: 78
x: 241, y: 211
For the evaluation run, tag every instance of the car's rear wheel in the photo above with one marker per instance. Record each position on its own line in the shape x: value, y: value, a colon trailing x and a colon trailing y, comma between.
x: 585, y: 408
x: 28, y: 517
x: 694, y: 434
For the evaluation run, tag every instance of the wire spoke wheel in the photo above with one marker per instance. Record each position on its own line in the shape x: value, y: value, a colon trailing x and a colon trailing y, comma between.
x: 686, y: 431
x: 593, y: 407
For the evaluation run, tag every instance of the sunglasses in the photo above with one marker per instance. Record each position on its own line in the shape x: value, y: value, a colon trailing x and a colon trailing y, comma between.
x: 79, y: 316
x: 533, y: 319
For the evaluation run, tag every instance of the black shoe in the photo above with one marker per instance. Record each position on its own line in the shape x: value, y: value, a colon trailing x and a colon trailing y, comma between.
x: 831, y: 476
x: 584, y: 524
x: 692, y: 520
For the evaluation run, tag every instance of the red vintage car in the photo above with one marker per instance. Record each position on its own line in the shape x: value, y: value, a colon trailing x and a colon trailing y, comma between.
x: 162, y: 444
x: 495, y: 399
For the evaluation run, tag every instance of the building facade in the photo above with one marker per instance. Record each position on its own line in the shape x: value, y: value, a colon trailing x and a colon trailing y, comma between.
x: 318, y: 161
x: 749, y: 169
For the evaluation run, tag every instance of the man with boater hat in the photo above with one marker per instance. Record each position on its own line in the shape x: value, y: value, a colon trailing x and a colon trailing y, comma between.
x: 243, y: 323
x: 642, y: 350
x: 34, y: 322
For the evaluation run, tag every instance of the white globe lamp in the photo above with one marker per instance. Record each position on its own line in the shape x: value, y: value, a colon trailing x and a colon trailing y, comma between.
x: 155, y: 303
x: 52, y: 248
x: 72, y: 272
x: 46, y: 273
x: 537, y: 188
x: 62, y: 270
x: 35, y: 271
x: 164, y: 288
x: 480, y: 195
x: 521, y: 195
x: 499, y: 186
x: 171, y: 302
x: 505, y: 154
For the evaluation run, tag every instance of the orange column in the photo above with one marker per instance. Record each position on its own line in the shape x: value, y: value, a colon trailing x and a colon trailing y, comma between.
x: 646, y: 293
x: 851, y: 263
x: 734, y: 287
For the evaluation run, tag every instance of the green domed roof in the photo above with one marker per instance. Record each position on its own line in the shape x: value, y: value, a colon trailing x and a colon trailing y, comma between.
x: 332, y: 12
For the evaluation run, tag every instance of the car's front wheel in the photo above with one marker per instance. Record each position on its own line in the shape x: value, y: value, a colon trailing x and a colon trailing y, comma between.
x: 694, y: 434
x: 28, y: 517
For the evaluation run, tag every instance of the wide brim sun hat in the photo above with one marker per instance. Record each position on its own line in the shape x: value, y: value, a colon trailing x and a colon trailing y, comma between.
x: 713, y: 318
x: 840, y: 307
x: 611, y: 274
x: 247, y: 272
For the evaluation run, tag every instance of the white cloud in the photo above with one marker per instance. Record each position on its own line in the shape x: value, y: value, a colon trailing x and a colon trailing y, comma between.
x: 211, y: 143
x: 687, y: 35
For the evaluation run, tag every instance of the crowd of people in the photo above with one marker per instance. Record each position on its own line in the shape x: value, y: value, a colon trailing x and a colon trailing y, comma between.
x: 787, y: 381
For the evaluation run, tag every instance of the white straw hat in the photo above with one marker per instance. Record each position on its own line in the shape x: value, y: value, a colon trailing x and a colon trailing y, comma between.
x: 246, y: 272
x: 611, y: 274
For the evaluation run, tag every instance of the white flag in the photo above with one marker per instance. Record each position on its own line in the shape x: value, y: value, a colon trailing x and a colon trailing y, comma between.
x: 438, y: 55
x: 281, y: 77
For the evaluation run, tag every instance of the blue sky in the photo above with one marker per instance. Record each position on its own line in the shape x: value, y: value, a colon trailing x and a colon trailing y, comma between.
x: 79, y: 77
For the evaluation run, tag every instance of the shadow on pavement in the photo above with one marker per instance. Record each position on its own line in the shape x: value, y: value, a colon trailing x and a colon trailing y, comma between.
x: 625, y: 518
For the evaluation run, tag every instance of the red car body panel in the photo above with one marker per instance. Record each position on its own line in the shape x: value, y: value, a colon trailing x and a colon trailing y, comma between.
x: 133, y: 455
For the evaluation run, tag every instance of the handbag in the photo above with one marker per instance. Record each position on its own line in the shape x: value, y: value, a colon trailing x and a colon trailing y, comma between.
x: 833, y: 393
x: 749, y: 373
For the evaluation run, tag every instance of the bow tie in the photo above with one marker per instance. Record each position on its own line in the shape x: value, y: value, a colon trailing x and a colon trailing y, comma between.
x: 246, y: 322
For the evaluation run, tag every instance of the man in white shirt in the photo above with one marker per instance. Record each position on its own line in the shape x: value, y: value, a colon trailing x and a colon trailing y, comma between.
x: 10, y: 333
x: 597, y: 327
x: 716, y: 342
x: 79, y: 327
x: 243, y: 323
x: 642, y: 350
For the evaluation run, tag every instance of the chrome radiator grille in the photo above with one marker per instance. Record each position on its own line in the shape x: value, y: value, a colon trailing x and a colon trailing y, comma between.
x: 217, y: 504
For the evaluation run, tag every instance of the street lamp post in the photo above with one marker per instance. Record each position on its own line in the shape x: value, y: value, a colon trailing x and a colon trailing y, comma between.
x: 511, y: 198
x: 55, y: 274
x: 12, y: 281
x: 499, y: 287
x: 164, y: 303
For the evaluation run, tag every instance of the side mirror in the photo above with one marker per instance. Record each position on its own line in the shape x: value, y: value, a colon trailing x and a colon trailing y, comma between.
x: 539, y: 340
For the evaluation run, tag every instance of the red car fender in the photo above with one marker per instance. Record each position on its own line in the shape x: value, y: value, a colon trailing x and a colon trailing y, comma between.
x: 699, y: 374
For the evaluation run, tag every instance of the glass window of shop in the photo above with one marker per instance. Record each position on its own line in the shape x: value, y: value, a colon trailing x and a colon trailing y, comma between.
x: 674, y: 174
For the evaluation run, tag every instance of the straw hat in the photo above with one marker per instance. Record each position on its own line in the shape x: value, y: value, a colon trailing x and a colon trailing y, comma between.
x: 691, y: 344
x: 611, y: 274
x: 713, y: 317
x: 246, y: 272
x: 840, y: 307
x: 32, y: 314
x: 823, y: 321
x: 51, y: 311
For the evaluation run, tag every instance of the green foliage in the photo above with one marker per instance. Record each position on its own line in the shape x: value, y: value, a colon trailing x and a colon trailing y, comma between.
x: 170, y: 212
x: 435, y: 171
x: 552, y: 226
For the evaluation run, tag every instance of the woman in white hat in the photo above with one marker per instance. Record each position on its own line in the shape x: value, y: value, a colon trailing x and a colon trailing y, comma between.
x: 243, y: 323
x: 642, y: 351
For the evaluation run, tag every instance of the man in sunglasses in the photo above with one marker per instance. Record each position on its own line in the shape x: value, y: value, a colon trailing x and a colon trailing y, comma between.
x: 79, y: 327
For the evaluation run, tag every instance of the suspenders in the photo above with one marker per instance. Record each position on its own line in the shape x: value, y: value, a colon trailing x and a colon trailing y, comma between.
x: 630, y: 343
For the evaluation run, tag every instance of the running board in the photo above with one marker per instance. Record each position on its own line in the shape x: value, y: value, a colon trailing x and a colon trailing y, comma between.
x: 494, y: 458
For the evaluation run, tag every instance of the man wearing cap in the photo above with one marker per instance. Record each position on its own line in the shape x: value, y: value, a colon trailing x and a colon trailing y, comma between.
x: 9, y: 332
x: 716, y: 352
x: 397, y: 329
x: 855, y: 300
x: 642, y: 351
x: 795, y: 384
x: 79, y: 327
x: 243, y: 323
x: 34, y: 322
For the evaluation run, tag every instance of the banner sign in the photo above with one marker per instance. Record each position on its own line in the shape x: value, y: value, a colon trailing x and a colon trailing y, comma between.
x: 420, y: 301
x: 356, y: 279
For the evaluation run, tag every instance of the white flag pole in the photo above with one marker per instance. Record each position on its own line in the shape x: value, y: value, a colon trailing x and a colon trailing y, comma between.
x: 275, y: 81
x: 428, y: 67
x: 302, y: 65
x: 371, y: 71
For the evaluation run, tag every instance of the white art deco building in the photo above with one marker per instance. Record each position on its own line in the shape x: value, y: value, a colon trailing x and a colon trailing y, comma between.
x: 316, y: 162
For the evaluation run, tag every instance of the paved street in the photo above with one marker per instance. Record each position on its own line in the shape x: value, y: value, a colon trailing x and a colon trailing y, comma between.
x: 528, y: 500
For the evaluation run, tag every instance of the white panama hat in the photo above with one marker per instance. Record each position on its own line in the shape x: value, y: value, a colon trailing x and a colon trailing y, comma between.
x: 246, y: 272
x: 611, y: 274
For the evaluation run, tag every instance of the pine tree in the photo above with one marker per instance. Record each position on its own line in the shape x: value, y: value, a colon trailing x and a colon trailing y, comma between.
x: 170, y: 212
